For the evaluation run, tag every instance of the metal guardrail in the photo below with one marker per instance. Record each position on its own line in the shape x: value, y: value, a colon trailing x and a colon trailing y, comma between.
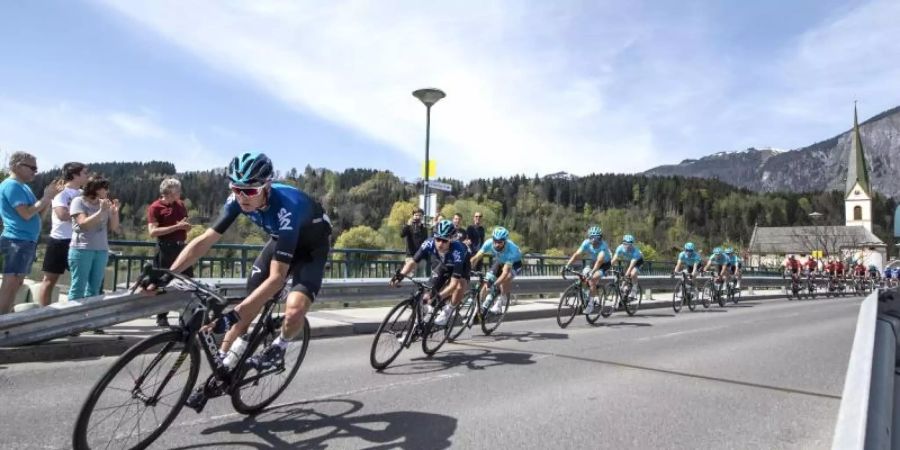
x: 41, y: 324
x: 870, y: 403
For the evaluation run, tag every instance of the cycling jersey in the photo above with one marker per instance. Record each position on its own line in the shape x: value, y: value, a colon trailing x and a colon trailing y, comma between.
x: 292, y: 218
x: 689, y: 258
x: 859, y: 270
x: 628, y: 255
x: 719, y: 260
x: 587, y: 248
x: 792, y: 264
x: 453, y: 262
x: 737, y: 261
x: 509, y: 255
x: 812, y: 265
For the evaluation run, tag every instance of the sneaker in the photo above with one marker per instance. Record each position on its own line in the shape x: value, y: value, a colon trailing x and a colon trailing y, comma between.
x: 443, y: 316
x: 590, y: 306
x: 497, y: 308
x: 427, y: 309
x: 270, y: 357
x: 196, y: 401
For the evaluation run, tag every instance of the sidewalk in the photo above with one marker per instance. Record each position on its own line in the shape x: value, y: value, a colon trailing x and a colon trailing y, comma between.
x: 323, y: 323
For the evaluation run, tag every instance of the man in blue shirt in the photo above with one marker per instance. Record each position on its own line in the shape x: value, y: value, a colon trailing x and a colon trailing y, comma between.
x: 688, y: 259
x: 628, y: 252
x: 450, y: 267
x: 507, y: 264
x: 598, y: 256
x: 21, y: 213
x: 719, y: 260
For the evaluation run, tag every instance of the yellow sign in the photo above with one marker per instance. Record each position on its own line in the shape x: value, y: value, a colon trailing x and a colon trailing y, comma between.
x: 432, y: 168
x: 818, y: 254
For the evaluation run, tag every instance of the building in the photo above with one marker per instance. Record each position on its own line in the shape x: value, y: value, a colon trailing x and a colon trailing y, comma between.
x: 855, y: 240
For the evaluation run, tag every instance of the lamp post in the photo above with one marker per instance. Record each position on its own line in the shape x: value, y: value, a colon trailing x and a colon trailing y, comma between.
x: 816, y: 217
x: 428, y: 96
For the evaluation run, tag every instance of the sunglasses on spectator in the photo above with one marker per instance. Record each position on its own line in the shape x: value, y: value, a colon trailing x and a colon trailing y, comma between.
x: 33, y: 168
x: 247, y: 191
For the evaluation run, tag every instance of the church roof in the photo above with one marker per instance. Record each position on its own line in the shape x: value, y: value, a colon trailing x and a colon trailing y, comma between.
x: 857, y: 172
x: 782, y: 240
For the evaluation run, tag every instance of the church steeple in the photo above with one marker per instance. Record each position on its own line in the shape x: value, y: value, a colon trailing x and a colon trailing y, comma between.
x: 856, y: 166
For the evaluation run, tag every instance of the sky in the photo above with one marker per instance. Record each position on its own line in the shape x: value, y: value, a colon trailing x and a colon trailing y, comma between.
x: 532, y: 86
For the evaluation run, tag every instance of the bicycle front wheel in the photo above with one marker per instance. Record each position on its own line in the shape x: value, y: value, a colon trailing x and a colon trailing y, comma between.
x: 569, y: 302
x: 140, y: 395
x: 257, y: 389
x: 392, y: 335
x: 678, y: 298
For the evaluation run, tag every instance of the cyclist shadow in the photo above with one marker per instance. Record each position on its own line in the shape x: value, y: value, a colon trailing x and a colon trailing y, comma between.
x: 518, y: 336
x: 474, y: 359
x: 653, y: 315
x: 601, y: 324
x: 318, y: 424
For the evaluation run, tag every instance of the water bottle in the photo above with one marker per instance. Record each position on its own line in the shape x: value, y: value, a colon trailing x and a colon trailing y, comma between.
x: 234, y: 353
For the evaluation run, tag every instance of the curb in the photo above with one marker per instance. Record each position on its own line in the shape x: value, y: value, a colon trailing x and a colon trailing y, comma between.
x: 95, y: 347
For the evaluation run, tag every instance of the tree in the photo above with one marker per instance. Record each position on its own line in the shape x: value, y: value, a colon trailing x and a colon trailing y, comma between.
x: 362, y: 237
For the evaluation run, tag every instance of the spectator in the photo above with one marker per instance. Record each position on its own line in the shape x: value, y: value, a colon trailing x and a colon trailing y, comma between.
x: 167, y: 222
x: 475, y: 234
x: 415, y: 233
x: 93, y: 216
x: 21, y: 214
x: 460, y: 234
x: 56, y: 256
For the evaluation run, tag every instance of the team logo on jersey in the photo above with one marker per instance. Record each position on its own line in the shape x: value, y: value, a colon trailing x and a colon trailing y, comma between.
x: 255, y: 270
x: 284, y: 220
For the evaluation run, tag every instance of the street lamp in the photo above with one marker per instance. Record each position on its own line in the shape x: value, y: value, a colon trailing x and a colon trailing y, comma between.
x: 816, y: 216
x: 428, y: 96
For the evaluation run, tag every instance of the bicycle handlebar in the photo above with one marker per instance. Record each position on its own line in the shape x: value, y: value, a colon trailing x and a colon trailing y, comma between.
x: 150, y: 275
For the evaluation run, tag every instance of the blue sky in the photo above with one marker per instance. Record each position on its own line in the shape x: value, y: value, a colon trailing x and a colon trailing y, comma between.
x: 533, y: 87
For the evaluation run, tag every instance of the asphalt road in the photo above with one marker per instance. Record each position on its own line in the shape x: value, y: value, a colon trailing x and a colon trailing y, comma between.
x: 765, y: 374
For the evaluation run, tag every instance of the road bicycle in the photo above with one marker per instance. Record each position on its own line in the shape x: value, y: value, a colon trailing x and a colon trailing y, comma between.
x: 713, y: 290
x: 792, y: 288
x: 574, y: 300
x: 621, y: 291
x: 686, y: 292
x: 141, y: 394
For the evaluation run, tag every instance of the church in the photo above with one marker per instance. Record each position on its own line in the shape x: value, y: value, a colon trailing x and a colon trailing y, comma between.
x: 855, y: 240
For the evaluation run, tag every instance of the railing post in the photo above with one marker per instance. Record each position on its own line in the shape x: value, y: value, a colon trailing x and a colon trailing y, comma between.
x: 244, y: 262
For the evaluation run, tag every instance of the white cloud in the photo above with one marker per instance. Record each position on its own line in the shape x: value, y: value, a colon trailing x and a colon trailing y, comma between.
x: 60, y: 132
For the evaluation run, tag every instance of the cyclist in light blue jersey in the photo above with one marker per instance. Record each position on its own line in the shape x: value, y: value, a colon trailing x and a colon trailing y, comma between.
x: 731, y: 264
x: 689, y: 259
x: 598, y: 256
x: 628, y: 252
x: 719, y: 260
x: 507, y: 264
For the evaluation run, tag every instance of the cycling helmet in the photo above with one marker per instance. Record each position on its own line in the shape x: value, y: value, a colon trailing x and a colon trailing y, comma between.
x: 444, y: 229
x: 628, y: 239
x: 689, y: 247
x: 717, y: 251
x: 595, y: 232
x: 250, y: 168
x: 729, y: 250
x: 500, y: 234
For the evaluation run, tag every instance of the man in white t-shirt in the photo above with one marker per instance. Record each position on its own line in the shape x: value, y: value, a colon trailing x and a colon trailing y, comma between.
x: 56, y: 256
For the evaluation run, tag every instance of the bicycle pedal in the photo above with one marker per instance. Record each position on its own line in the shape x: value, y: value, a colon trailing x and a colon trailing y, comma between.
x: 197, y: 401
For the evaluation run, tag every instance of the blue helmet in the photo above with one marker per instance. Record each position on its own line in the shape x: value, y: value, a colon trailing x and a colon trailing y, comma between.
x: 250, y: 169
x: 689, y: 247
x: 717, y: 251
x: 444, y: 229
x: 729, y: 250
x: 628, y: 239
x: 500, y: 234
x: 595, y: 232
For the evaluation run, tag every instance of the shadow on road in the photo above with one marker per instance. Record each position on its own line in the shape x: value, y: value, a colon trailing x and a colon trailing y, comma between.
x: 519, y: 336
x: 472, y: 359
x: 319, y: 424
x: 621, y: 324
x: 653, y: 315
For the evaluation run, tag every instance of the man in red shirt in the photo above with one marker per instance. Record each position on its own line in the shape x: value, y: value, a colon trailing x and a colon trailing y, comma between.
x: 167, y: 222
x: 792, y: 264
x: 812, y: 266
x: 839, y: 268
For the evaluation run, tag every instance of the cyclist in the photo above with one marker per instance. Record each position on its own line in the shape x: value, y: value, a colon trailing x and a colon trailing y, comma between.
x: 689, y: 258
x: 859, y: 270
x: 719, y: 260
x: 598, y: 254
x: 792, y: 265
x: 507, y: 264
x: 874, y: 273
x: 451, y: 267
x: 732, y: 269
x: 628, y: 252
x: 839, y: 269
x: 297, y: 249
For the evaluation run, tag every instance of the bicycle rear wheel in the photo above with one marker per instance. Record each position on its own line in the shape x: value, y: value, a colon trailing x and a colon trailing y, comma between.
x: 608, y: 301
x: 257, y: 389
x: 435, y: 335
x: 633, y: 302
x: 707, y: 294
x: 598, y: 309
x: 569, y: 303
x: 462, y: 317
x: 157, y: 372
x: 678, y: 297
x: 392, y: 335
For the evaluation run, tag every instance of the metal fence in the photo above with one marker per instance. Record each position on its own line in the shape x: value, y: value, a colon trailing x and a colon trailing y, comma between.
x: 235, y: 260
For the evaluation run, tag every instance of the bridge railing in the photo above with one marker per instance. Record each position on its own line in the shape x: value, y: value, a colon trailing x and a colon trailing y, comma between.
x: 235, y: 261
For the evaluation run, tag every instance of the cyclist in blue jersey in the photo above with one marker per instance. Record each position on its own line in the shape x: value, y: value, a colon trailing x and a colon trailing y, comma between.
x: 507, y: 264
x: 688, y: 259
x: 628, y: 252
x: 598, y: 256
x: 719, y: 260
x: 732, y: 266
x: 450, y: 263
x: 297, y: 249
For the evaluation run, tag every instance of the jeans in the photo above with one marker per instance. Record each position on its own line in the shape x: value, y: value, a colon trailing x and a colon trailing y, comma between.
x: 18, y: 255
x: 87, y: 268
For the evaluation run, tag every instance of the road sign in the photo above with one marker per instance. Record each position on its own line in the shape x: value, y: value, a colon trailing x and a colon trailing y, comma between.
x: 440, y: 186
x: 432, y: 168
x: 432, y: 205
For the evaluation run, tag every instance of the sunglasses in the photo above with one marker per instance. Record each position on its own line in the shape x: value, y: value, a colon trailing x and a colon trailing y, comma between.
x: 441, y: 240
x: 500, y: 243
x: 246, y: 191
x: 33, y: 168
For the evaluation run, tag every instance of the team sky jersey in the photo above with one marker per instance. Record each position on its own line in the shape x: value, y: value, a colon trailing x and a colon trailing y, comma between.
x: 719, y: 260
x: 594, y: 252
x: 452, y: 261
x: 289, y: 214
x: 689, y: 258
x: 509, y: 255
x: 627, y: 255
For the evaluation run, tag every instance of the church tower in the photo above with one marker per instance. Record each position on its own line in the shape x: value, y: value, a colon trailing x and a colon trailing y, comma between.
x: 858, y: 198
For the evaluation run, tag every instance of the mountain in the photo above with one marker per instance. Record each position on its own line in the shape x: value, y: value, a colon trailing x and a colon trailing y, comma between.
x: 818, y: 167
